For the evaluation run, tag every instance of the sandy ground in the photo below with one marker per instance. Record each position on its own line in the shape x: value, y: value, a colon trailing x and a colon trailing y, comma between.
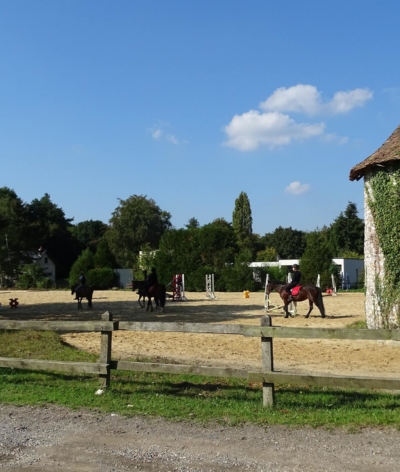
x: 297, y: 355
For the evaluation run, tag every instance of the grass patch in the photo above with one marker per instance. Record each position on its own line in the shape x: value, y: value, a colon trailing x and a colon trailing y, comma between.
x: 360, y: 324
x: 182, y: 397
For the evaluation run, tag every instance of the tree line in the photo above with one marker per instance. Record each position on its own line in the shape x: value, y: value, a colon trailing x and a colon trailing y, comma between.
x: 139, y: 234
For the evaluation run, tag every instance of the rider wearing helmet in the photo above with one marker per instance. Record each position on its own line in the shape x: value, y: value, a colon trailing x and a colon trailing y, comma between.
x: 295, y: 281
x: 152, y: 279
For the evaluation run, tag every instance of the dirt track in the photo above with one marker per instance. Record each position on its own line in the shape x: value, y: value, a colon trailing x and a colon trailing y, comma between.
x: 340, y: 357
x: 35, y: 439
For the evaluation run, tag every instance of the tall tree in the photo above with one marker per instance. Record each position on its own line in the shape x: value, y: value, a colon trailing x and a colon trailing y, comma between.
x: 242, y: 221
x: 192, y: 223
x: 136, y: 221
x: 89, y: 233
x: 289, y: 243
x: 50, y: 229
x: 346, y: 233
x: 14, y: 235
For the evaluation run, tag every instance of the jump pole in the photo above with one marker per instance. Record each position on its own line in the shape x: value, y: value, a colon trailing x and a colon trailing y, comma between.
x: 210, y: 287
x: 178, y: 289
x: 266, y: 296
x: 318, y: 284
x: 334, y: 291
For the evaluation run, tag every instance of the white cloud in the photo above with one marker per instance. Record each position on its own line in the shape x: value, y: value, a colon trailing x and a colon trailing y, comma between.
x: 296, y: 188
x: 342, y: 102
x: 248, y: 131
x: 334, y: 138
x: 300, y: 98
x: 307, y: 99
x: 158, y: 133
x: 172, y: 139
x: 274, y: 127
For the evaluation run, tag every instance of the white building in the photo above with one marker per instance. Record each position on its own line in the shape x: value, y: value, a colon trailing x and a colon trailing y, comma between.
x: 351, y: 270
x: 48, y: 266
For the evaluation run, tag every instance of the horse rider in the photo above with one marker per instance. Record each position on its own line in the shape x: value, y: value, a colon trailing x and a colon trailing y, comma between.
x: 152, y: 279
x: 82, y: 282
x: 295, y: 281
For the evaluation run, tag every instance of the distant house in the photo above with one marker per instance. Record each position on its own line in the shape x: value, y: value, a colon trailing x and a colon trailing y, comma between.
x: 48, y: 266
x: 381, y: 172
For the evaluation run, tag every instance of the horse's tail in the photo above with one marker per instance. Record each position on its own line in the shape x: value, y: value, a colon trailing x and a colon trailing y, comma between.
x: 162, y: 295
x: 320, y: 302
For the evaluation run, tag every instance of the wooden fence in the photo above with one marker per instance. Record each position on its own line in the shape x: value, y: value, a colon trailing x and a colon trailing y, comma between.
x: 266, y: 332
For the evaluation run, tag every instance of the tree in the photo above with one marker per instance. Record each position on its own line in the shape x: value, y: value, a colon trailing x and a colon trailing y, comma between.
x: 14, y: 234
x: 347, y: 232
x: 50, y: 229
x: 103, y: 256
x: 136, y: 221
x: 196, y: 252
x: 267, y: 255
x: 242, y: 221
x: 193, y: 223
x: 89, y: 233
x: 84, y: 263
x: 317, y: 259
x: 289, y: 243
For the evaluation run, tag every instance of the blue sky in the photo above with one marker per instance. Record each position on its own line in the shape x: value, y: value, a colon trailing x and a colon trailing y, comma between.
x: 191, y: 103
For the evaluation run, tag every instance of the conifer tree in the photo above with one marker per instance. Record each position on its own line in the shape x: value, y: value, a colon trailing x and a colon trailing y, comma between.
x: 242, y: 221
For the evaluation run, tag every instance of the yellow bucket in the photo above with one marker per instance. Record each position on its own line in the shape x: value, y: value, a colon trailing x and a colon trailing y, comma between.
x: 246, y: 293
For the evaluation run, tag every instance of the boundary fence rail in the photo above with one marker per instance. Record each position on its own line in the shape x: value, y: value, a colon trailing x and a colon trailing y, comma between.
x: 266, y: 332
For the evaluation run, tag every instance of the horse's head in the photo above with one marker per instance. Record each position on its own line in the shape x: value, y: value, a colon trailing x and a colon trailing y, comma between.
x: 72, y: 289
x: 274, y: 285
x: 268, y: 288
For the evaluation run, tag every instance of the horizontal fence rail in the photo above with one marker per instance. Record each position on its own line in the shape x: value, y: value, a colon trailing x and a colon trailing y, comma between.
x: 267, y: 376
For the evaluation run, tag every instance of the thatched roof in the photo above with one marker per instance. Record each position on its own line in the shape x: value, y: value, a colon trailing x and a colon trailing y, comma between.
x: 388, y: 152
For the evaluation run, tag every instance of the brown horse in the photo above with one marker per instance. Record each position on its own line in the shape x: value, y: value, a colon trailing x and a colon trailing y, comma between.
x: 83, y: 292
x: 307, y: 292
x: 157, y: 291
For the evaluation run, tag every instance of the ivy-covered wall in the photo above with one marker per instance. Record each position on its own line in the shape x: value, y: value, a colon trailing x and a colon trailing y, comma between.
x: 382, y: 187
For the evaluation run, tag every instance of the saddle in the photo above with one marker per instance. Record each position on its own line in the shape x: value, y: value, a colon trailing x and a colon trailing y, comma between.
x: 295, y: 290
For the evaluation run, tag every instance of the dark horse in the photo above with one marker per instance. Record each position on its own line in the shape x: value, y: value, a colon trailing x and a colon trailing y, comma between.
x: 157, y: 291
x: 83, y: 292
x: 307, y: 292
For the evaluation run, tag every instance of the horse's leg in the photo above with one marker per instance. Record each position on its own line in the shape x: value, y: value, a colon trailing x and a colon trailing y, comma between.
x: 149, y: 305
x: 89, y: 302
x: 294, y: 312
x: 79, y: 303
x: 310, y: 308
x: 285, y: 307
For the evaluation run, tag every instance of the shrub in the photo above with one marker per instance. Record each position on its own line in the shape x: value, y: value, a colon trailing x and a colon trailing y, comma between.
x: 101, y: 279
x: 33, y: 276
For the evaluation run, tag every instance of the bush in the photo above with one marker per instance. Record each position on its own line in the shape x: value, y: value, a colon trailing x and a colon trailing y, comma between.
x: 32, y: 276
x: 101, y: 279
x: 84, y: 263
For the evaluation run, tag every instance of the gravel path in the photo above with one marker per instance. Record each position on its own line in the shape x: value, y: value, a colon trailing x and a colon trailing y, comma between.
x: 58, y: 439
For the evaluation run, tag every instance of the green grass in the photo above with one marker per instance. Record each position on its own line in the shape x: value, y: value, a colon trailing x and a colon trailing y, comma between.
x: 182, y: 397
x: 360, y: 324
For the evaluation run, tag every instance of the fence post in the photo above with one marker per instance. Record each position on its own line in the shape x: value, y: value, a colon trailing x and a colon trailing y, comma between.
x: 105, y: 351
x: 267, y: 359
